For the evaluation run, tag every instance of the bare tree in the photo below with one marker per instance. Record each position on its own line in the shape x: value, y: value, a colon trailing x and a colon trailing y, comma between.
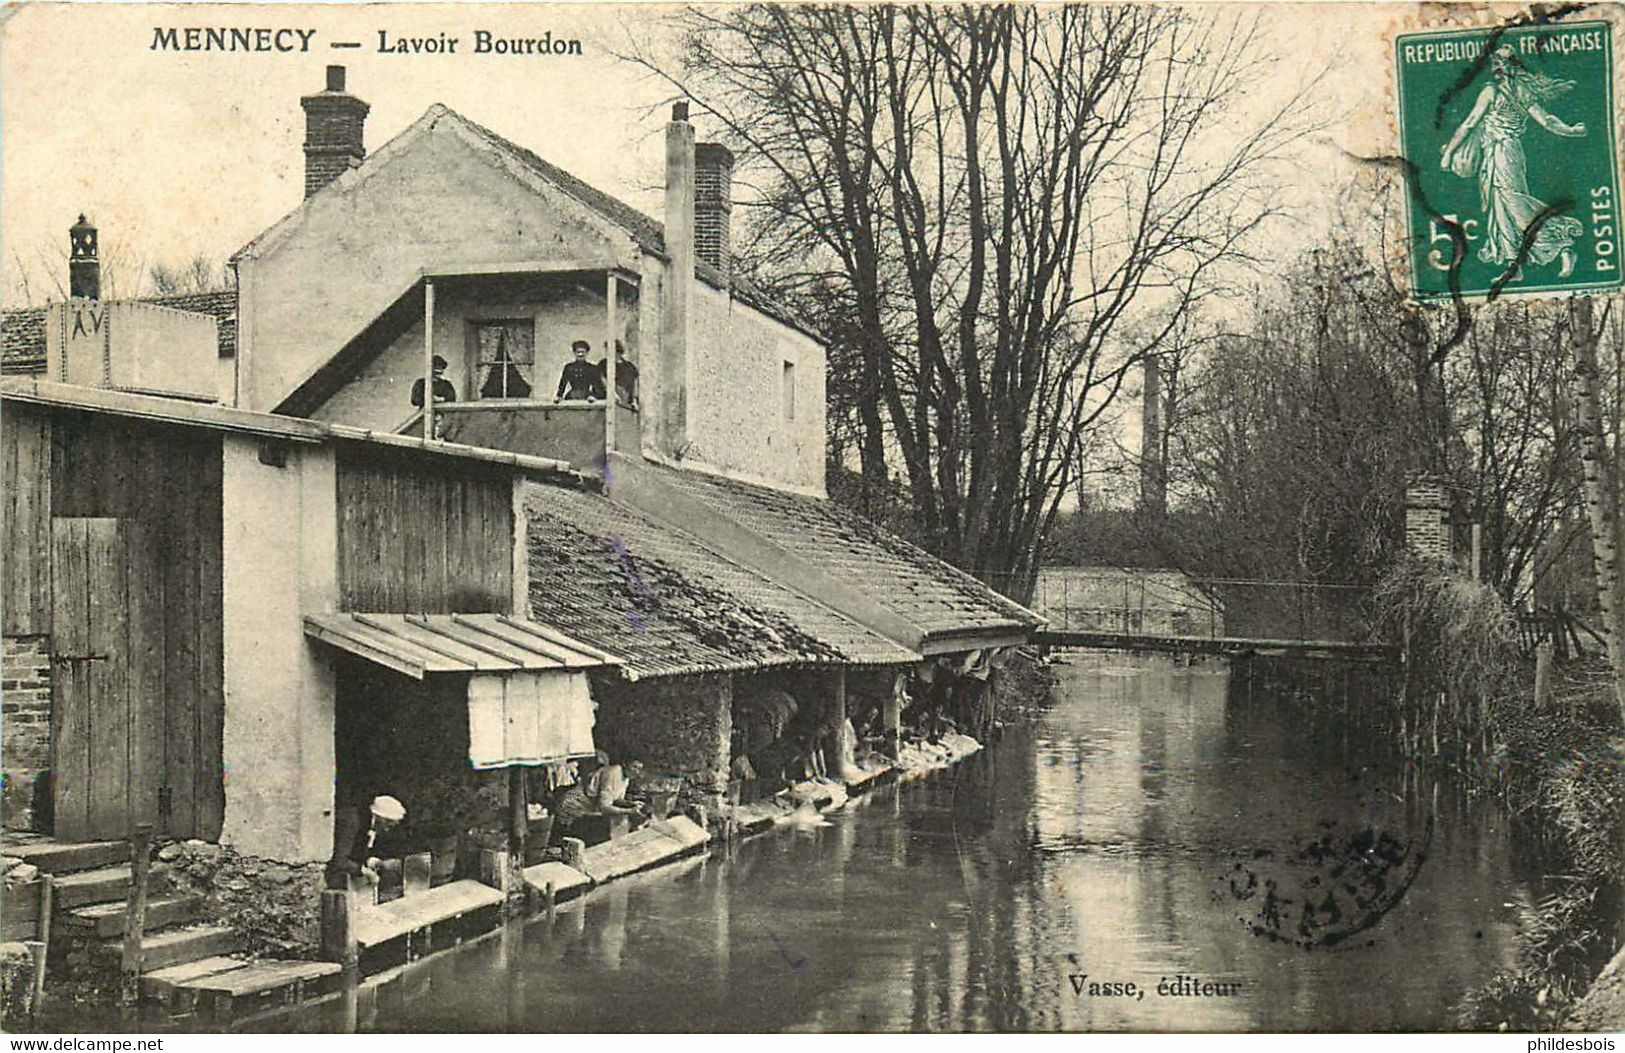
x: 986, y: 194
x: 199, y: 274
x: 42, y: 275
x: 1602, y: 489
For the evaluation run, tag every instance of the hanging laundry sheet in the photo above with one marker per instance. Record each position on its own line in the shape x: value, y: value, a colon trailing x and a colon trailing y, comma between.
x: 528, y: 718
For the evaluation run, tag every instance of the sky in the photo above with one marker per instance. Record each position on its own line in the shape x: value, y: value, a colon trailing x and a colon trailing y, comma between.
x: 178, y: 154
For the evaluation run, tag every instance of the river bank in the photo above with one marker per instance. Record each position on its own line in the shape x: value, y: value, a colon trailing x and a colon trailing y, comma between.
x: 1094, y: 838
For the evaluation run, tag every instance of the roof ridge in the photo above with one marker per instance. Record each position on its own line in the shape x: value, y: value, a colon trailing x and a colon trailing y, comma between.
x: 160, y: 299
x: 635, y: 220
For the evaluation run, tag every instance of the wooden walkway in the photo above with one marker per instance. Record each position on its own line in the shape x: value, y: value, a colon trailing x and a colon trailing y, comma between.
x: 1230, y: 646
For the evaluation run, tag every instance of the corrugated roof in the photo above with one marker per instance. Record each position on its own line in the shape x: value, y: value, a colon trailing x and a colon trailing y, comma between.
x: 665, y: 605
x: 936, y: 596
x: 24, y: 329
x: 418, y: 644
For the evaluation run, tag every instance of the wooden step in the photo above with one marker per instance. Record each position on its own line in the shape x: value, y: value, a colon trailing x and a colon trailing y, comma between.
x: 653, y: 844
x: 373, y: 925
x: 175, y: 946
x: 107, y: 919
x: 57, y: 857
x: 567, y: 882
x: 259, y: 986
x: 107, y: 885
x: 163, y: 985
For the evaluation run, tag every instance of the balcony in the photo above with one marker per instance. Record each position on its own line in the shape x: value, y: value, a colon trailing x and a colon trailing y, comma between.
x: 569, y: 431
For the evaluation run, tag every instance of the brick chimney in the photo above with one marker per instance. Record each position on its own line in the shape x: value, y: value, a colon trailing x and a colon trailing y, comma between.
x: 1427, y: 516
x: 713, y: 205
x: 84, y: 265
x: 672, y: 424
x: 333, y: 132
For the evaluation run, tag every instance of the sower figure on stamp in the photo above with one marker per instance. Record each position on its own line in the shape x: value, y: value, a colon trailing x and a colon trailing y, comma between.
x: 1489, y: 144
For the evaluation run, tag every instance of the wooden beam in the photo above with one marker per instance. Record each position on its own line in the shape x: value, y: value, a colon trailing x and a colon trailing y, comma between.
x: 135, y: 912
x: 567, y: 266
x: 428, y: 361
x: 976, y: 642
x: 356, y: 646
x: 611, y: 400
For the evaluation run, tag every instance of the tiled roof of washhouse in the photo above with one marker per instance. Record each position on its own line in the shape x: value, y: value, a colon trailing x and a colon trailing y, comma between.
x: 24, y: 328
x: 939, y: 598
x: 24, y: 335
x: 665, y: 605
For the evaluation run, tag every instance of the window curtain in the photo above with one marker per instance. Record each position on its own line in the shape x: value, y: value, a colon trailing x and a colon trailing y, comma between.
x: 507, y: 356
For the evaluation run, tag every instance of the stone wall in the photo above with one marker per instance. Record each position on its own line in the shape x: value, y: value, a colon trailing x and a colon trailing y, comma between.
x: 676, y: 726
x: 740, y: 422
x: 25, y: 717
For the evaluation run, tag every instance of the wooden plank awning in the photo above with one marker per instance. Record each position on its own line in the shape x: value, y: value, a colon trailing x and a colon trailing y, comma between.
x: 420, y: 644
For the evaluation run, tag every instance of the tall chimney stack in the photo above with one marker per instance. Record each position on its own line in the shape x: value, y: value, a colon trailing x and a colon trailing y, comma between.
x: 334, y: 121
x: 713, y: 205
x: 84, y: 265
x: 1153, y: 472
x: 679, y: 283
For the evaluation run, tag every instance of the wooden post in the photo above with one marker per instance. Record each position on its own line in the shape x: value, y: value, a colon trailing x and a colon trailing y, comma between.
x: 428, y: 359
x: 416, y: 871
x: 550, y: 900
x: 891, y: 720
x: 338, y: 936
x: 611, y: 288
x: 496, y: 868
x: 1478, y: 552
x: 1543, y: 673
x: 135, y: 912
x: 47, y: 901
x: 518, y: 814
x: 573, y: 849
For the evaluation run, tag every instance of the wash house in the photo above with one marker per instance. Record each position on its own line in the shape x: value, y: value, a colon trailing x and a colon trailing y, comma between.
x: 356, y: 566
x: 228, y: 614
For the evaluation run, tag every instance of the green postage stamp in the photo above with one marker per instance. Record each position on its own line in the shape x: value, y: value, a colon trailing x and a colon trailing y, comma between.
x: 1509, y: 134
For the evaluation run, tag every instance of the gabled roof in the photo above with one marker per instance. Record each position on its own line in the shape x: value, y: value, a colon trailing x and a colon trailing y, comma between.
x: 646, y: 232
x: 938, y: 597
x: 664, y: 605
x: 24, y: 328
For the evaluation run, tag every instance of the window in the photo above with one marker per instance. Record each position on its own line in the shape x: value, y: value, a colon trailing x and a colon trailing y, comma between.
x: 505, y: 358
x: 789, y: 391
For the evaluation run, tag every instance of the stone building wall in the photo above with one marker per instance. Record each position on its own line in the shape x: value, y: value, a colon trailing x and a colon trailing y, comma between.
x: 25, y: 717
x: 677, y: 726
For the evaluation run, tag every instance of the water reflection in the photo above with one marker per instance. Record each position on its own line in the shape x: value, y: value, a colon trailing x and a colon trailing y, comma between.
x: 1099, y: 842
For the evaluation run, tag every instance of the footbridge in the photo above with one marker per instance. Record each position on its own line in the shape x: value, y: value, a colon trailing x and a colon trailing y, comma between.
x: 1171, y: 612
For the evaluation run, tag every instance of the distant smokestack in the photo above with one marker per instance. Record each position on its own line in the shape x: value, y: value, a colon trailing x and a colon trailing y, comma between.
x: 679, y: 284
x: 84, y: 265
x: 334, y: 121
x: 713, y: 205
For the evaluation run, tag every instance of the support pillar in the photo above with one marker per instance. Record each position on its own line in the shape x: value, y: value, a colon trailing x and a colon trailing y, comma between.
x: 891, y: 718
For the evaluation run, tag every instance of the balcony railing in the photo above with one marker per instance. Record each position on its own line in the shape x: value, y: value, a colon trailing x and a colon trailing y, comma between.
x: 568, y: 431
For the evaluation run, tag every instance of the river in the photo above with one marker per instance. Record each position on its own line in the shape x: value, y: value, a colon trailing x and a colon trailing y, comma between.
x: 1133, y: 832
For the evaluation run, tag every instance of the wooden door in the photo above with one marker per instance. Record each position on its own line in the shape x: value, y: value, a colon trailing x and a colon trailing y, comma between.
x: 107, y: 734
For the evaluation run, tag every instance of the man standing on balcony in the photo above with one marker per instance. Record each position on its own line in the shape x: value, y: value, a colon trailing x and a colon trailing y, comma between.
x: 626, y: 377
x: 443, y: 389
x: 580, y: 378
